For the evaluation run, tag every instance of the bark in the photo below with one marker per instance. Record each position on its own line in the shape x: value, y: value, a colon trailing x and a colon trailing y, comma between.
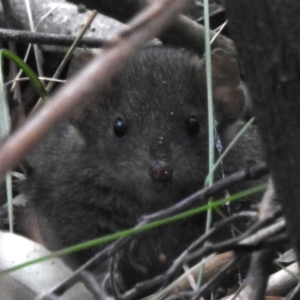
x: 266, y: 34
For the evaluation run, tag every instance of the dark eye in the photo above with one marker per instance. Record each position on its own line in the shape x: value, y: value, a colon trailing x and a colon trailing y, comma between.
x: 120, y: 127
x: 192, y: 125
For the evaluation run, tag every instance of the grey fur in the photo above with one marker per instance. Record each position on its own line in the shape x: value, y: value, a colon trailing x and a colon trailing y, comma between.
x: 87, y: 182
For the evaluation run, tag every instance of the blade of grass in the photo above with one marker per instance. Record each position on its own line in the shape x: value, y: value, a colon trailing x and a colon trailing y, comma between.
x: 231, y: 144
x: 4, y: 132
x: 210, y: 108
x: 210, y: 112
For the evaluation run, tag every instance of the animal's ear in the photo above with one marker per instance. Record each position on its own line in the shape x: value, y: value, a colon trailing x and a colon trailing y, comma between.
x: 229, y: 98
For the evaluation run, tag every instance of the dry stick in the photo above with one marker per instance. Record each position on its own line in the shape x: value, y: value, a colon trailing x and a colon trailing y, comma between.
x: 181, y: 283
x: 252, y: 172
x: 281, y: 282
x: 164, y: 279
x: 238, y: 243
x: 257, y: 277
x: 66, y: 59
x: 186, y: 203
x: 9, y: 20
x: 199, y: 242
x: 97, y: 73
x: 192, y: 36
x: 213, y: 280
x: 295, y: 294
x: 102, y: 255
x: 91, y: 283
x: 67, y: 56
x: 114, y: 287
x: 212, y: 266
x: 232, y: 244
x: 196, y: 295
x: 37, y: 53
x: 265, y: 233
x: 184, y: 32
x: 39, y: 38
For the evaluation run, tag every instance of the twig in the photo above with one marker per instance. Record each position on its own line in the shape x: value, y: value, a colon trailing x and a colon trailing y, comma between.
x: 24, y: 36
x: 295, y: 294
x: 196, y: 295
x: 37, y: 53
x: 186, y: 256
x: 261, y: 236
x: 213, y: 280
x: 93, y: 286
x: 281, y: 282
x: 164, y: 279
x: 212, y: 266
x: 253, y: 172
x: 9, y: 20
x: 195, y: 245
x: 66, y: 58
x: 257, y: 278
x: 114, y: 286
x: 184, y: 32
x: 237, y: 243
x: 102, y: 255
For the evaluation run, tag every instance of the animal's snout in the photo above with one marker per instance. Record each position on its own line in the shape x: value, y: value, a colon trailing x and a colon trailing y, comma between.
x: 161, y: 172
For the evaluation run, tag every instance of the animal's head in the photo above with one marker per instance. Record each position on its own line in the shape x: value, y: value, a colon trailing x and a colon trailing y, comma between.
x: 146, y: 131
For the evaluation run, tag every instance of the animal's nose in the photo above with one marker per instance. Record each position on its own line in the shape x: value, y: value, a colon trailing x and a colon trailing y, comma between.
x: 161, y: 172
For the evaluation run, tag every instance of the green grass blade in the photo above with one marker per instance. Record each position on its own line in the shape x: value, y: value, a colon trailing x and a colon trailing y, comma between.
x: 27, y: 70
x: 5, y: 125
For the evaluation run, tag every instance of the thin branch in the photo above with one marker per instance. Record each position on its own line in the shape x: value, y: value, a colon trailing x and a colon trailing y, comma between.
x: 214, y: 279
x: 37, y: 52
x: 92, y: 285
x: 24, y: 36
x: 295, y: 294
x: 66, y: 58
x: 184, y: 32
x: 261, y: 236
x: 212, y: 266
x: 181, y: 283
x: 238, y: 243
x: 281, y: 282
x: 252, y: 172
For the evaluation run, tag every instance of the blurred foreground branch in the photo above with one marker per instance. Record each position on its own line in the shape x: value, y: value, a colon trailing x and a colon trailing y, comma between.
x: 142, y: 28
